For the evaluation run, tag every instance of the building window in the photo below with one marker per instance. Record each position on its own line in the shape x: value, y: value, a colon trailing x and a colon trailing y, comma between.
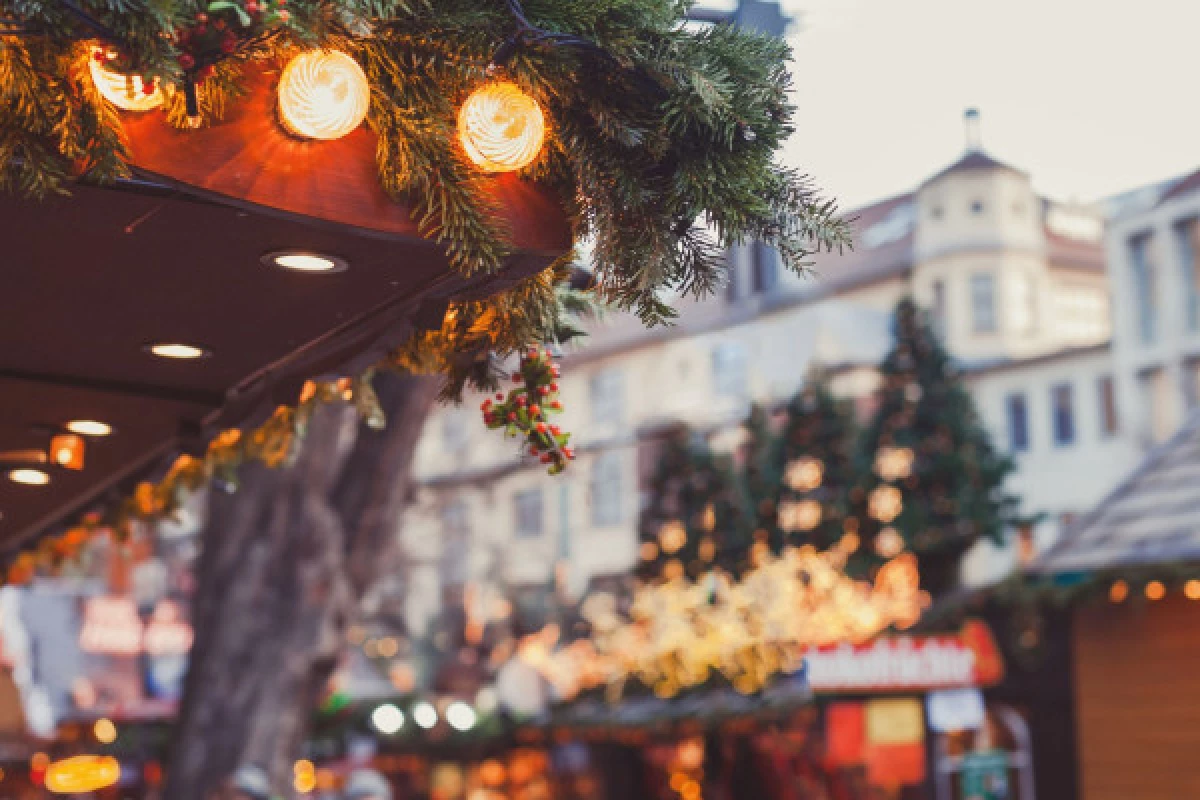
x: 527, y: 506
x: 1188, y: 236
x: 1081, y: 314
x: 729, y: 369
x: 939, y: 308
x: 606, y: 391
x: 1145, y: 286
x: 1018, y: 422
x: 766, y: 267
x: 1108, y: 405
x: 983, y: 302
x: 1191, y: 383
x: 606, y: 490
x: 976, y: 206
x: 1022, y: 305
x: 1064, y: 414
x: 456, y: 539
x: 1152, y: 384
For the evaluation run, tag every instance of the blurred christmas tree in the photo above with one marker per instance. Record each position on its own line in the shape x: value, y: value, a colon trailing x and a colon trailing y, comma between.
x: 812, y: 467
x: 930, y: 480
x: 694, y: 519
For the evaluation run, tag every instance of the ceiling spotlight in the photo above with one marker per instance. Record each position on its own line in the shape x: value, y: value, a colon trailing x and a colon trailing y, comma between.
x: 177, y: 350
x: 89, y: 427
x: 425, y: 715
x: 460, y: 716
x: 301, y: 261
x: 29, y: 477
x: 387, y: 719
x: 66, y: 450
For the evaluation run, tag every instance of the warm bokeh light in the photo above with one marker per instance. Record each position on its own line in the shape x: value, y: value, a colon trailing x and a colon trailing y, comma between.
x: 804, y: 475
x: 1155, y: 590
x: 323, y: 94
x: 29, y: 477
x: 425, y: 715
x: 1118, y: 591
x: 89, y: 427
x: 80, y: 774
x: 66, y: 450
x: 177, y: 350
x: 672, y: 536
x: 894, y: 463
x: 126, y: 92
x: 802, y: 516
x: 305, y: 262
x: 460, y: 716
x: 387, y: 719
x: 501, y: 128
x: 889, y: 543
x: 105, y: 731
x: 885, y: 503
x: 1191, y: 590
x: 648, y: 551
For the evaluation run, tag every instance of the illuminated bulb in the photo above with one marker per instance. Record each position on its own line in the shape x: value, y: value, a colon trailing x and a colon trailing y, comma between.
x: 66, y: 450
x: 501, y: 128
x: 1155, y: 590
x: 387, y: 719
x: 885, y: 503
x: 305, y: 262
x: 802, y: 516
x: 126, y: 92
x: 1192, y: 590
x: 672, y: 537
x: 889, y: 543
x: 460, y: 716
x: 89, y: 427
x: 804, y: 475
x: 29, y: 477
x: 1118, y: 591
x: 894, y: 463
x: 648, y: 551
x: 105, y: 731
x: 425, y: 715
x: 323, y: 94
x: 81, y: 774
x: 177, y: 351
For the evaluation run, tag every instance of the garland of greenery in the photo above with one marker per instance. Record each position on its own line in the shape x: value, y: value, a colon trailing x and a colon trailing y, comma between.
x: 662, y: 149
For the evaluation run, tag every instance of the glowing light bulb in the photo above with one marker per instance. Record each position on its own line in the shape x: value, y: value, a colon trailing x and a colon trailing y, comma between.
x: 81, y: 774
x: 387, y: 719
x: 425, y: 715
x: 323, y: 94
x: 29, y: 477
x: 460, y: 716
x: 126, y: 92
x: 89, y: 427
x: 501, y: 128
x: 105, y: 731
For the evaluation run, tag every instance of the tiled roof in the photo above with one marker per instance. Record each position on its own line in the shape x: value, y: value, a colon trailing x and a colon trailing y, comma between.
x: 1150, y: 518
x: 865, y: 263
x: 1189, y: 184
x: 975, y: 159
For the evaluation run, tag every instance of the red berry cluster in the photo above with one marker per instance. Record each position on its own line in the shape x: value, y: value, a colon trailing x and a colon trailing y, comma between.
x: 524, y: 411
x: 217, y: 31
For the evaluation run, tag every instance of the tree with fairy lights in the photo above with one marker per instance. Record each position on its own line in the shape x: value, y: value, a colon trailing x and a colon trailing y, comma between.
x: 695, y: 519
x: 930, y: 481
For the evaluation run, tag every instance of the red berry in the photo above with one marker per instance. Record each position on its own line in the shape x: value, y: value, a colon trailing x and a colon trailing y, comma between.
x: 543, y: 390
x: 546, y: 458
x: 148, y: 85
x: 516, y: 377
x: 554, y: 387
x: 187, y: 61
x: 284, y: 16
x: 100, y: 56
x: 200, y: 30
x: 202, y: 17
x: 568, y: 452
x: 499, y: 395
x: 557, y: 406
x: 554, y: 429
x: 554, y: 370
x: 485, y: 405
x: 252, y: 7
x: 534, y: 450
x: 488, y: 419
x: 219, y: 24
x: 534, y: 410
x: 541, y: 427
x: 512, y: 416
x: 207, y: 72
x: 521, y: 400
x: 228, y: 44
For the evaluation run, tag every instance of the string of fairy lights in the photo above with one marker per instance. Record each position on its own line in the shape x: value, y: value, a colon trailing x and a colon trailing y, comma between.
x: 325, y: 95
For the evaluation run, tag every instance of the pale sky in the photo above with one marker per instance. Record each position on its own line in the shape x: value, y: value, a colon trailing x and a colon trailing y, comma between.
x: 1092, y: 97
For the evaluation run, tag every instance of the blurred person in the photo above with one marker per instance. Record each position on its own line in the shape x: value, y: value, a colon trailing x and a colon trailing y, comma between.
x: 367, y: 784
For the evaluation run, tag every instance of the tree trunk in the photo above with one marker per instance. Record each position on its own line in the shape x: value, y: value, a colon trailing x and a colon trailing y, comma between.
x: 286, y: 559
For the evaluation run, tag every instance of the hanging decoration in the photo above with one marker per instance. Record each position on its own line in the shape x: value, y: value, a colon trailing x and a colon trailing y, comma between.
x: 501, y: 128
x: 525, y: 411
x: 125, y: 91
x: 323, y: 94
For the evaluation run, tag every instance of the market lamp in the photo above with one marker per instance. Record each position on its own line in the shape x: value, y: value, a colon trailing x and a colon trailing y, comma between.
x: 323, y: 94
x: 126, y: 92
x: 501, y: 128
x: 66, y: 450
x: 80, y: 774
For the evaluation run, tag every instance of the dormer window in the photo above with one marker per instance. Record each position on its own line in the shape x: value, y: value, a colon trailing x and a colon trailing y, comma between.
x: 976, y: 206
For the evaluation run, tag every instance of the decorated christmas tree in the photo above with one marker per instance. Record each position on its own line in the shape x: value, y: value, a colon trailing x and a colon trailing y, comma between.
x: 930, y: 480
x: 694, y: 519
x: 812, y: 467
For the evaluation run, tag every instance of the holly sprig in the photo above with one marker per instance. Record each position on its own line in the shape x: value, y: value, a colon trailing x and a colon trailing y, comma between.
x: 524, y: 412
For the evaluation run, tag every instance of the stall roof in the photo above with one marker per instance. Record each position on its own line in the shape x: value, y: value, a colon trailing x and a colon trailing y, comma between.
x: 176, y: 255
x: 1150, y: 518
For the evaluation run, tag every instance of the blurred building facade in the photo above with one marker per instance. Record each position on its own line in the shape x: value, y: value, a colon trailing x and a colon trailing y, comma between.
x: 1015, y: 282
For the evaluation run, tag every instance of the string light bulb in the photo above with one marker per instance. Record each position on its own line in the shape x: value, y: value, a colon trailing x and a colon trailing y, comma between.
x: 126, y: 92
x: 501, y: 128
x: 323, y: 94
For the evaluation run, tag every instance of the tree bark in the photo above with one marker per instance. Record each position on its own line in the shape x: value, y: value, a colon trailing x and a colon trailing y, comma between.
x: 286, y: 559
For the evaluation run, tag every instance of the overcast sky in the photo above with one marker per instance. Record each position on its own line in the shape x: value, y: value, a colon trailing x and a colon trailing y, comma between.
x: 1093, y: 97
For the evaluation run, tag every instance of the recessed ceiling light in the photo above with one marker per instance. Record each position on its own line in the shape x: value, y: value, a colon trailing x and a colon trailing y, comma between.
x: 89, y: 427
x: 29, y: 477
x: 305, y: 261
x: 177, y: 350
